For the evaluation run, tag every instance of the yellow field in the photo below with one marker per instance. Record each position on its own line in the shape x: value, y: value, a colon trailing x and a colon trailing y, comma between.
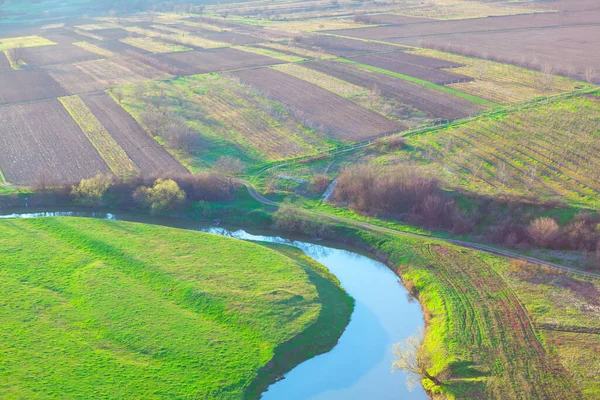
x: 270, y: 53
x: 88, y: 34
x: 461, y: 9
x: 335, y: 85
x: 53, y: 26
x: 154, y: 46
x: 114, y: 156
x: 24, y: 41
x: 96, y: 27
x: 501, y: 83
x: 95, y: 49
x: 186, y: 39
x: 317, y: 25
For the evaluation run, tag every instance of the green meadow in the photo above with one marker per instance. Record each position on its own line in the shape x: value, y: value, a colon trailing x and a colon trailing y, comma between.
x: 105, y: 309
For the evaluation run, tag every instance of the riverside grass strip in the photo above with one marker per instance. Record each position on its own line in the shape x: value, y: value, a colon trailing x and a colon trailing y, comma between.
x: 94, y: 49
x: 114, y: 156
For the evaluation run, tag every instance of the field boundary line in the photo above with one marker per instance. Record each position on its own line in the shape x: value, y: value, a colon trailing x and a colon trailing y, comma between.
x: 423, y: 83
x: 255, y: 194
x: 109, y: 150
x: 430, y: 127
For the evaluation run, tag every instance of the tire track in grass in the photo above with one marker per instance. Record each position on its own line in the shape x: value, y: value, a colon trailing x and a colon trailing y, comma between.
x: 114, y: 156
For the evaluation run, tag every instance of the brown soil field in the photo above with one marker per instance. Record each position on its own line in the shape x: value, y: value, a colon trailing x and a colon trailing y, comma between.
x: 41, y: 140
x: 429, y: 74
x: 109, y: 73
x: 27, y: 85
x: 231, y: 38
x: 74, y: 80
x: 343, y: 47
x: 214, y: 60
x: 435, y: 103
x: 402, y: 57
x: 562, y: 48
x: 142, y: 69
x: 4, y: 64
x: 150, y: 157
x: 59, y: 54
x: 339, y: 117
x: 488, y: 25
x: 119, y: 47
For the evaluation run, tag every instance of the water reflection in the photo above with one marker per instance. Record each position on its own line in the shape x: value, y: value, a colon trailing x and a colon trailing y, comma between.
x: 359, y: 367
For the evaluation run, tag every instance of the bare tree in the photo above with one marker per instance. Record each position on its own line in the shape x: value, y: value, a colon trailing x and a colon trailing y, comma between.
x: 480, y: 69
x: 412, y: 358
x: 545, y: 79
x: 543, y: 231
x: 589, y: 74
x: 230, y: 166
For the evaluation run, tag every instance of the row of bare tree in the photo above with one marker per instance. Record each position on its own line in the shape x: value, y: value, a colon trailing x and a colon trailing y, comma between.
x: 403, y: 192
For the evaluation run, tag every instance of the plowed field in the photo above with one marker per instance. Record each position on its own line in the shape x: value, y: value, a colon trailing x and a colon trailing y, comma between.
x: 151, y: 158
x: 339, y: 117
x: 435, y: 103
x: 203, y: 61
x: 28, y: 85
x: 42, y: 140
x: 391, y: 63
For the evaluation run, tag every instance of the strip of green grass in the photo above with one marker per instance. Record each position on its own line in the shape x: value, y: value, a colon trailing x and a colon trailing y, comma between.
x: 424, y: 83
x: 105, y: 309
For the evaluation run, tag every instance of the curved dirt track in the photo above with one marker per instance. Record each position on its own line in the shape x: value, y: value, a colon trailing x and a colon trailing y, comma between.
x: 475, y: 246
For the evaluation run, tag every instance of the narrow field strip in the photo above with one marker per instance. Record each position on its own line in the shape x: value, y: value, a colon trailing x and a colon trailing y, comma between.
x: 271, y: 53
x: 424, y: 83
x: 185, y: 40
x: 154, y: 46
x: 328, y: 82
x: 95, y: 49
x: 114, y: 156
x: 88, y: 34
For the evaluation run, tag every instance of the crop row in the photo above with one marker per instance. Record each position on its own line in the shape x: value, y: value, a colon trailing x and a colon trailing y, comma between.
x: 550, y: 151
x: 114, y: 156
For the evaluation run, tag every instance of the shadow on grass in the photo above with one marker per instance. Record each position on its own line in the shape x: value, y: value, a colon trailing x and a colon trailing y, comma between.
x: 317, y: 339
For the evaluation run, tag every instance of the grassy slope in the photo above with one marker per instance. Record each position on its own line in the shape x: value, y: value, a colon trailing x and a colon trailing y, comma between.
x: 482, y: 329
x: 119, y: 310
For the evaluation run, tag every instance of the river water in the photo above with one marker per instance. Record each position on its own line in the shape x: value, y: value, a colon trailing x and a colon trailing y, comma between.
x: 359, y: 366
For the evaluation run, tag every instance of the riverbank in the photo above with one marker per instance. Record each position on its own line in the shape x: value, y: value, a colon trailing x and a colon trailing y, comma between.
x: 145, y: 303
x: 472, y: 302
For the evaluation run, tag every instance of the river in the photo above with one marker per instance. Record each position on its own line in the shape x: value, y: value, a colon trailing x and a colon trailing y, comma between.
x: 359, y: 366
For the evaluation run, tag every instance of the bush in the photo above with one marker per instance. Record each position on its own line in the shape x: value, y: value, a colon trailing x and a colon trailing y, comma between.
x: 395, y: 190
x: 320, y: 183
x: 90, y: 192
x: 164, y: 195
x: 543, y: 231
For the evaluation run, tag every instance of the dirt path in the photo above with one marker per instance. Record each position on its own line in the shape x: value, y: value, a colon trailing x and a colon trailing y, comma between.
x: 475, y: 246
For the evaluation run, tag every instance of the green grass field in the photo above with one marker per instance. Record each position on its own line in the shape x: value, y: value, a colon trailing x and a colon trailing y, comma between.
x: 118, y: 310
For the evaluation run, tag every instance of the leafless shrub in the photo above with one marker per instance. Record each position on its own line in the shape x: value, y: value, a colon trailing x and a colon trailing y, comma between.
x: 319, y: 183
x: 543, y: 231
